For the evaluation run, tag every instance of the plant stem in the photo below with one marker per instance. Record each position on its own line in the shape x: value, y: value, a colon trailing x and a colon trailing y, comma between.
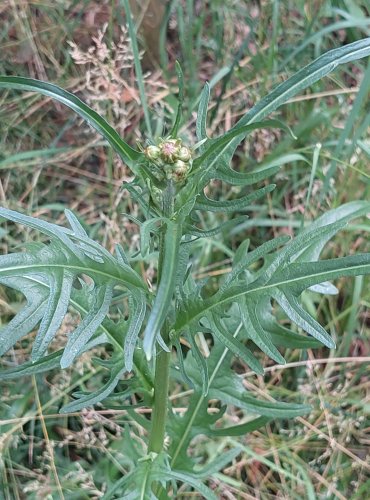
x: 161, y: 383
x: 163, y: 359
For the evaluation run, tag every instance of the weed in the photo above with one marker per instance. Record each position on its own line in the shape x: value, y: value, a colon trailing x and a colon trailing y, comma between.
x: 205, y: 324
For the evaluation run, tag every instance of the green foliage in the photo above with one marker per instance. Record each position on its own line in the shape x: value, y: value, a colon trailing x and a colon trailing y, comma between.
x: 72, y: 270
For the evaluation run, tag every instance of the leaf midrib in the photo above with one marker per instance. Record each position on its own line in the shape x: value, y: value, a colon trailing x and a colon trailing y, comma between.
x: 82, y: 269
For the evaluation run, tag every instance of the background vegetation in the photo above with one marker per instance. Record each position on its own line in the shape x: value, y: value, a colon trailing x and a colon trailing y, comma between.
x: 50, y: 161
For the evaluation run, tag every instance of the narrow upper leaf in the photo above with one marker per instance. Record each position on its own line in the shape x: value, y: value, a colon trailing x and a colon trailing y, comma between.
x: 166, y: 287
x: 305, y: 77
x: 201, y: 124
x: 137, y: 315
x: 129, y: 155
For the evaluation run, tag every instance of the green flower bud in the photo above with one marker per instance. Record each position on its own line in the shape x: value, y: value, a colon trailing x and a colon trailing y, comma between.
x: 180, y: 171
x: 184, y: 154
x: 152, y: 152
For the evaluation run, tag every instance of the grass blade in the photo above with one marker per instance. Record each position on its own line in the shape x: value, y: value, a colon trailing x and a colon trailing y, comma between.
x: 138, y: 71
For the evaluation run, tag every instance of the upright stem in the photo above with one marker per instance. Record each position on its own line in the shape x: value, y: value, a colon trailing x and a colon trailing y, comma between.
x: 161, y: 383
x: 162, y: 363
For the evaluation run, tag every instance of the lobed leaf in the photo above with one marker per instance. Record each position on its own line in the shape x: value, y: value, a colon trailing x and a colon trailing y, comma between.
x: 235, y: 346
x: 250, y: 315
x: 100, y: 302
x: 206, y: 233
x: 290, y: 305
x: 46, y: 363
x: 241, y: 429
x: 60, y: 287
x: 45, y: 274
x: 205, y: 203
x: 226, y: 387
x: 301, y: 80
x: 90, y: 399
x: 266, y: 169
x: 27, y: 319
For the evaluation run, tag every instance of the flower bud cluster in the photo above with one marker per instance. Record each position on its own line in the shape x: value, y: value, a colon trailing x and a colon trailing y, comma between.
x: 172, y: 157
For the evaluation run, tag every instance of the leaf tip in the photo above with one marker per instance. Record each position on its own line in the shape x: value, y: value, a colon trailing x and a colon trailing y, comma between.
x: 147, y: 347
x: 128, y: 364
x: 65, y: 362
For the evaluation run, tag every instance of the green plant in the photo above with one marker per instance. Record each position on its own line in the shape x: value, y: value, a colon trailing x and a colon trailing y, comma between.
x: 170, y: 179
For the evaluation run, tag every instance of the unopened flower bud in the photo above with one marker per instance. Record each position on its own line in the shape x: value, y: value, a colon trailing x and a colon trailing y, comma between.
x: 170, y: 149
x: 184, y: 154
x: 180, y: 171
x: 152, y: 152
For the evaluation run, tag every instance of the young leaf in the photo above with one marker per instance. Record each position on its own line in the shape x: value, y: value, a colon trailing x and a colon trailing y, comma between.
x: 166, y: 287
x: 201, y: 124
x: 180, y: 79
